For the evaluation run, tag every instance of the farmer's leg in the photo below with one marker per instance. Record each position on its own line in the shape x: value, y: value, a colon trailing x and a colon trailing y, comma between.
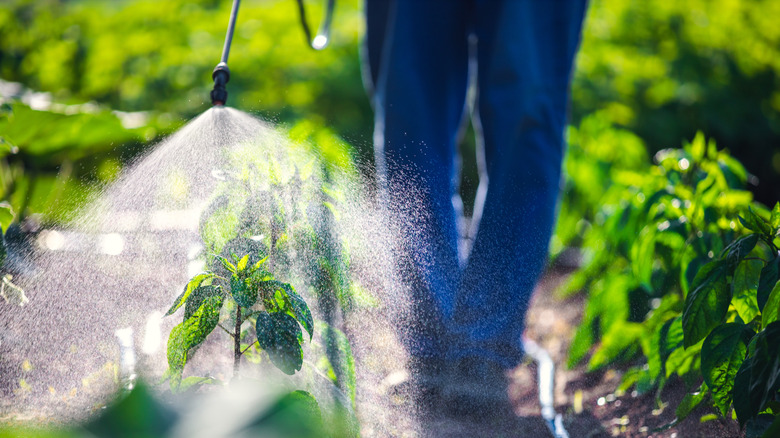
x: 525, y: 54
x: 419, y: 100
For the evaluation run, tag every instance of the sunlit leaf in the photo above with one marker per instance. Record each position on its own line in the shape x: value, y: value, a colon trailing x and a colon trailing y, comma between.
x: 771, y: 311
x: 188, y: 289
x: 707, y: 303
x: 744, y: 287
x: 722, y: 354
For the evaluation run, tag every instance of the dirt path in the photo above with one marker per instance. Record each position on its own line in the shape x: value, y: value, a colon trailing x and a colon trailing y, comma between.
x: 588, y: 402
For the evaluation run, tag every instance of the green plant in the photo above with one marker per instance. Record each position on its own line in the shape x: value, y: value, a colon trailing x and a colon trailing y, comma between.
x: 733, y: 307
x: 652, y: 244
x: 252, y: 294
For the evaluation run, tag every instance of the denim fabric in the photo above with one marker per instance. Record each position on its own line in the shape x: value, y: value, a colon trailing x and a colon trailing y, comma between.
x: 418, y: 55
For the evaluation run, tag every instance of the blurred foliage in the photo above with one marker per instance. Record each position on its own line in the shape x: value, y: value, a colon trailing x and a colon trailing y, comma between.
x: 157, y: 57
x: 660, y: 70
x: 139, y: 413
x: 665, y: 70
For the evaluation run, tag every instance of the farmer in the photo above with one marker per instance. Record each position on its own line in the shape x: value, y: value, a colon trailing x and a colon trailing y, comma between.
x: 421, y: 56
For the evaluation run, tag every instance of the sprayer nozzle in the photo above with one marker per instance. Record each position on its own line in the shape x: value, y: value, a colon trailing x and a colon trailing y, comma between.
x: 221, y: 76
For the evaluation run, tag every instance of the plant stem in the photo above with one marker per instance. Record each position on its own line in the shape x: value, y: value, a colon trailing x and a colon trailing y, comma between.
x: 237, y: 342
x: 226, y: 330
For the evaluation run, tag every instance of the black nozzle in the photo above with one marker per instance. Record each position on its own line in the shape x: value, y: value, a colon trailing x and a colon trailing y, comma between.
x: 221, y: 76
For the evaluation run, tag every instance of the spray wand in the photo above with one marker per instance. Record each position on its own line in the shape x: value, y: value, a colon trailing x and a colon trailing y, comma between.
x: 221, y: 73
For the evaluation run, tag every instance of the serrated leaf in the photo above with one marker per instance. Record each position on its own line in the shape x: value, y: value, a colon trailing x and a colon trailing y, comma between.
x: 188, y: 288
x: 769, y: 276
x: 190, y: 333
x: 707, y: 303
x: 280, y: 336
x: 772, y: 307
x: 722, y: 354
x: 744, y: 287
x: 243, y: 291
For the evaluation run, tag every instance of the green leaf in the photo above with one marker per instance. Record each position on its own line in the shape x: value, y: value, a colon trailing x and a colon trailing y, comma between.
x: 226, y: 264
x: 671, y: 339
x: 621, y: 337
x: 774, y: 220
x: 280, y: 336
x: 740, y: 248
x: 243, y: 291
x: 241, y: 265
x: 188, y: 289
x: 769, y: 276
x: 191, y: 333
x: 300, y: 309
x: 6, y: 217
x: 196, y: 381
x: 741, y: 396
x: 296, y: 414
x: 744, y: 288
x: 758, y: 380
x: 760, y: 223
x: 690, y: 401
x: 772, y: 308
x: 721, y: 356
x: 197, y: 297
x: 753, y: 222
x: 340, y: 358
x: 707, y: 303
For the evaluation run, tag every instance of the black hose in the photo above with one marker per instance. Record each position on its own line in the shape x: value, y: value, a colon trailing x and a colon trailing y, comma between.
x: 322, y: 39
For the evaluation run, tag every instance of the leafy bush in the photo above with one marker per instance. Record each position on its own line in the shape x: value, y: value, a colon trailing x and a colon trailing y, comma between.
x: 665, y: 70
x: 673, y: 272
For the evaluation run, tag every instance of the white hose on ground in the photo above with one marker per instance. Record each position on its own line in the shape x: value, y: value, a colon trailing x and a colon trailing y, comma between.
x: 545, y: 380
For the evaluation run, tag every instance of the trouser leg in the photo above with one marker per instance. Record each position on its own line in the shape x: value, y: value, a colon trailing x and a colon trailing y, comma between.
x: 525, y: 54
x: 419, y: 99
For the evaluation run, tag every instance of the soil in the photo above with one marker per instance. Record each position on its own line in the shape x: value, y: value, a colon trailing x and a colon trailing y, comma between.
x: 588, y: 401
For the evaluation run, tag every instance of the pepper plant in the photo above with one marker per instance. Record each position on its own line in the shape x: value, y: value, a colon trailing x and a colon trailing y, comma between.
x: 250, y: 293
x: 672, y: 273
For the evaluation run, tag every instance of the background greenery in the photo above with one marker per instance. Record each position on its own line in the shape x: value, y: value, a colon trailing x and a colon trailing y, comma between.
x: 661, y: 70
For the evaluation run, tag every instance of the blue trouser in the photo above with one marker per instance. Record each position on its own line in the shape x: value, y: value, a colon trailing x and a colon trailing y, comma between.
x: 418, y: 53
